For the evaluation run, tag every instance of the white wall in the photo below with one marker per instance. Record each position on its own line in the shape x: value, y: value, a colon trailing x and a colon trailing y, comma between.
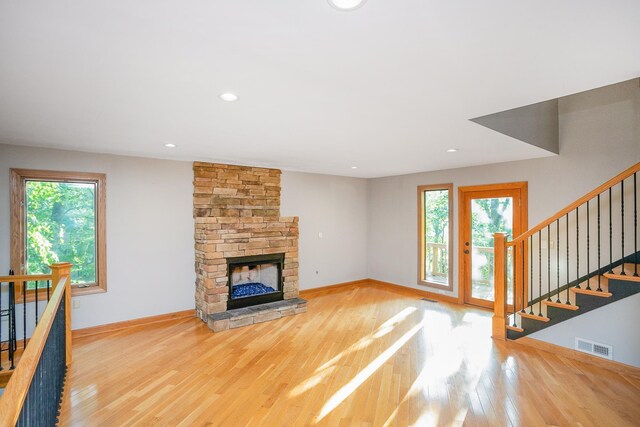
x: 337, y: 208
x: 150, y: 253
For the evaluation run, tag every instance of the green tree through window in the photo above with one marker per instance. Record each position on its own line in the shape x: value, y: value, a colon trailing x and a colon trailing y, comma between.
x: 435, y: 235
x: 436, y: 208
x: 61, y: 226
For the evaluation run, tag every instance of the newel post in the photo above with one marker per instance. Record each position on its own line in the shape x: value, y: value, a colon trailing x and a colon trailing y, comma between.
x: 59, y: 271
x: 499, y: 330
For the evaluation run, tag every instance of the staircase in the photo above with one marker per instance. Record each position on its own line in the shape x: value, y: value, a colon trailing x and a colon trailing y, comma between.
x: 574, y: 301
x: 580, y: 259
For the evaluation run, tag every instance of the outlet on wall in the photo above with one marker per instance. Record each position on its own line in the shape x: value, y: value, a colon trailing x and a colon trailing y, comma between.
x: 76, y: 303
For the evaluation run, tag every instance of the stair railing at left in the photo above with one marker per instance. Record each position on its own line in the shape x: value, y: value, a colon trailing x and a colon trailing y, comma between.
x: 34, y: 390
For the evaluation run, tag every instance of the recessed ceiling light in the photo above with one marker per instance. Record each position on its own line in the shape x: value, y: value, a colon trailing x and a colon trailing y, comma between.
x: 170, y: 145
x: 228, y: 96
x: 346, y: 4
x: 452, y: 150
x: 354, y: 167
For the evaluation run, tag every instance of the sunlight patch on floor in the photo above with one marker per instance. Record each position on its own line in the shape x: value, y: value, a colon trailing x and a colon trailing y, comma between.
x: 382, y: 330
x: 328, y: 367
x: 363, y: 375
x: 428, y: 418
x: 388, y: 326
x: 461, y: 415
x: 311, y: 382
x: 450, y: 350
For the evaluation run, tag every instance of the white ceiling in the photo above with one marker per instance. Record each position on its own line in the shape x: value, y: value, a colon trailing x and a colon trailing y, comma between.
x: 388, y: 87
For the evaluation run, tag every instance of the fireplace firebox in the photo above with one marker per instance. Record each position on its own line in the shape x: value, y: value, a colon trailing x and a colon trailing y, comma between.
x: 254, y: 280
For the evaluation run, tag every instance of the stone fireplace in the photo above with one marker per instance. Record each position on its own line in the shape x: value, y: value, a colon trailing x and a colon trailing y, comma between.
x: 243, y: 244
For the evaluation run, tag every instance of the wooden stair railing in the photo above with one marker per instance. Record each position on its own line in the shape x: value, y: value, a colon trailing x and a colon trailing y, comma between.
x: 34, y: 390
x: 573, y: 252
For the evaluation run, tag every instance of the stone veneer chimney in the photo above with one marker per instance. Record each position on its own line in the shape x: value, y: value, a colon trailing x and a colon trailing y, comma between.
x: 237, y: 213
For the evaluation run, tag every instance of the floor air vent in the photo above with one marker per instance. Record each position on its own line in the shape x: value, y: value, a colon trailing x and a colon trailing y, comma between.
x: 428, y: 300
x: 594, y: 348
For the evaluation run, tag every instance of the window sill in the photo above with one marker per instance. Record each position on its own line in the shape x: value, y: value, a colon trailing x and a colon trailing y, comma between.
x: 75, y: 292
x: 88, y: 290
x: 435, y: 285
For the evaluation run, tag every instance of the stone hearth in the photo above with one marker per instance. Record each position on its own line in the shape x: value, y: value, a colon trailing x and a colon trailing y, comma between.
x: 237, y: 214
x: 259, y: 313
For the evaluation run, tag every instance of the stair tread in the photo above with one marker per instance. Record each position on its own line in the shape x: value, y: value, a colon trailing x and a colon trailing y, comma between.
x: 628, y: 277
x: 515, y: 328
x: 534, y: 317
x: 593, y: 292
x: 536, y: 308
x: 561, y: 305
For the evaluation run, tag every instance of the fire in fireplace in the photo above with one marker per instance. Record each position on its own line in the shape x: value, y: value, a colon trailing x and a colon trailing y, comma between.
x: 254, y: 280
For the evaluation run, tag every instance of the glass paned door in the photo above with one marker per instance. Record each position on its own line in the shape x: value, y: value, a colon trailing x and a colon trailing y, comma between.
x: 484, y: 211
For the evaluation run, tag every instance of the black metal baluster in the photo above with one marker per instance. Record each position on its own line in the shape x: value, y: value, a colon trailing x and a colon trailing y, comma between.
x: 635, y: 226
x: 577, y: 250
x: 531, y: 273
x: 12, y: 324
x: 558, y: 261
x: 36, y: 302
x: 548, y: 262
x: 567, y: 231
x: 523, y: 278
x: 588, y: 249
x: 599, y: 265
x: 622, y: 224
x: 48, y: 290
x: 540, y: 272
x: 610, y: 235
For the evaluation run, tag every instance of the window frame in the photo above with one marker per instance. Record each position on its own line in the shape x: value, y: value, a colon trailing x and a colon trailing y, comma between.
x: 421, y: 237
x: 19, y: 177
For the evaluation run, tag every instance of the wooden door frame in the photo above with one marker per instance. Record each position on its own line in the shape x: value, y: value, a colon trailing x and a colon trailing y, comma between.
x: 523, y: 213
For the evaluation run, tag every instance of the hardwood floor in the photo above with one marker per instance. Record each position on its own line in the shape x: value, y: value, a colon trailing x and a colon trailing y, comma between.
x: 359, y: 356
